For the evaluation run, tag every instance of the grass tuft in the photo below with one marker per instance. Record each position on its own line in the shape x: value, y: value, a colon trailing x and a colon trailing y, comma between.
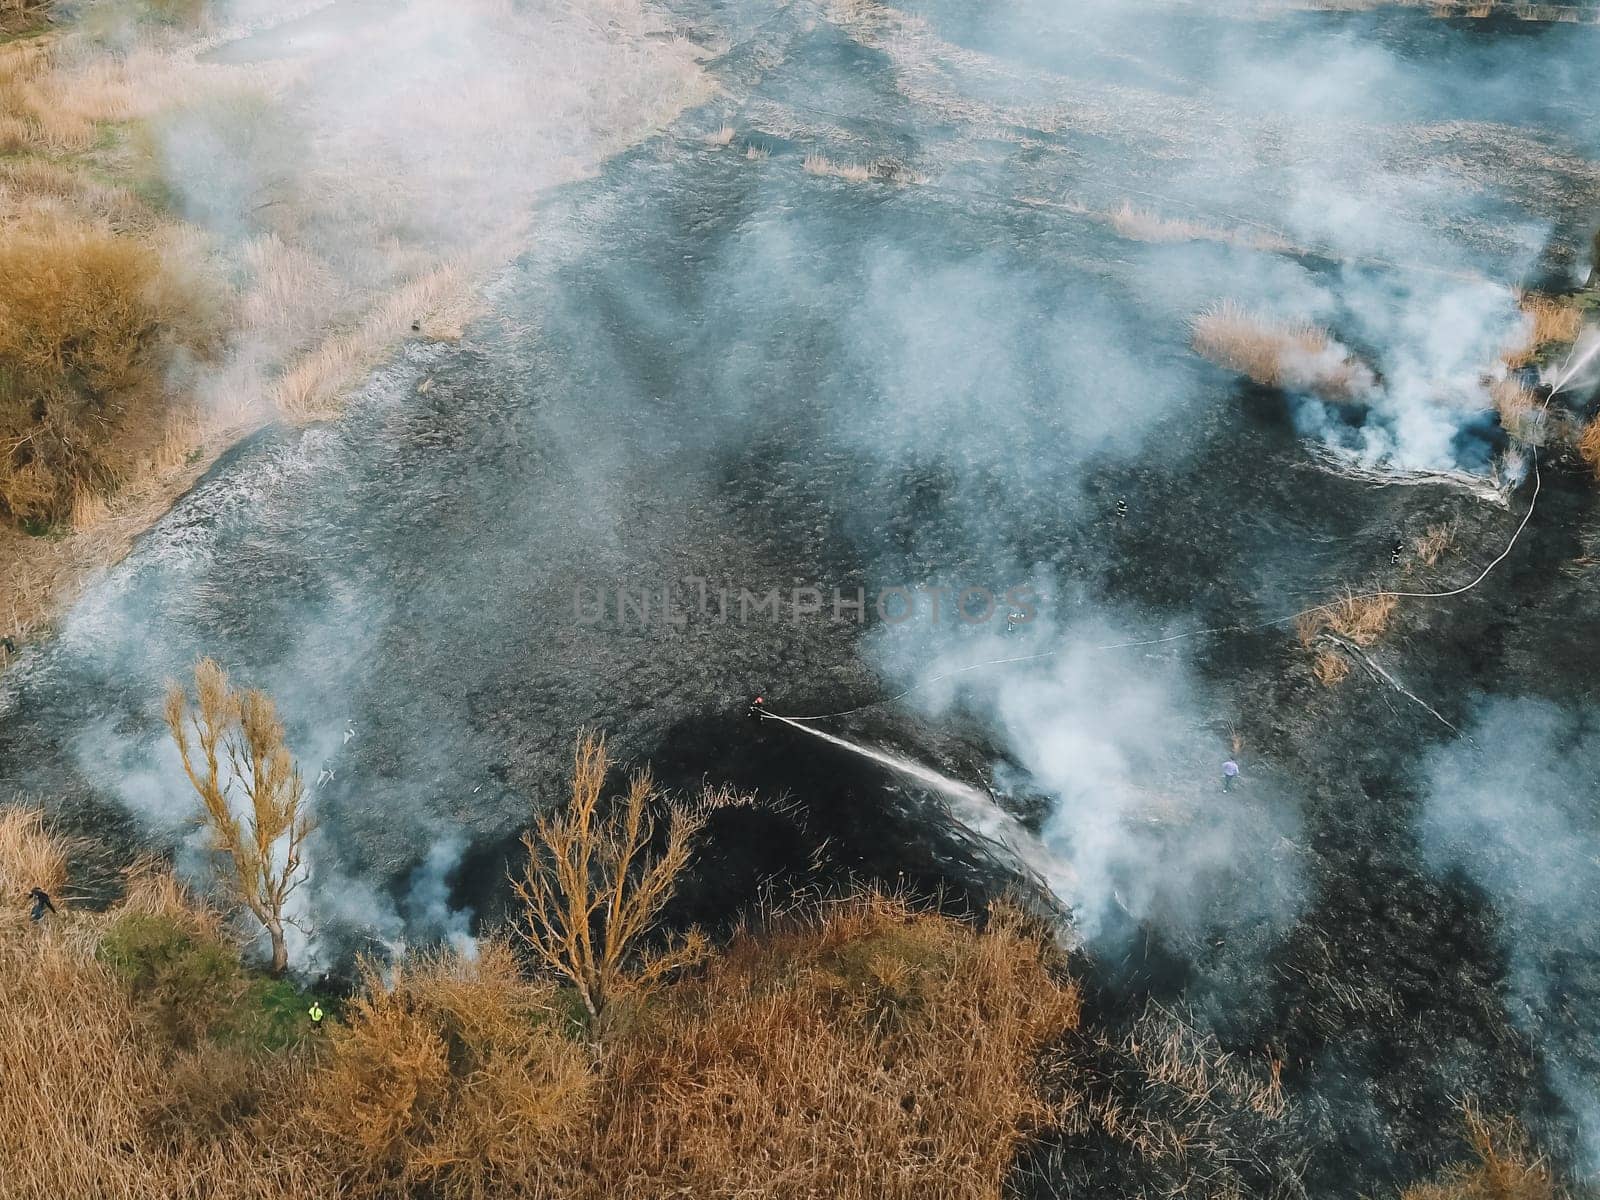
x: 1276, y: 353
x: 1547, y: 321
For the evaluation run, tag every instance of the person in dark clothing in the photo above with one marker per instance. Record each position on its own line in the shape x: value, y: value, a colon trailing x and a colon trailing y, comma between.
x: 41, y: 902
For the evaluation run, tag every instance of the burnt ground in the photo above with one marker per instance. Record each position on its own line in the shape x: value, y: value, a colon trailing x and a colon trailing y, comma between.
x: 721, y: 367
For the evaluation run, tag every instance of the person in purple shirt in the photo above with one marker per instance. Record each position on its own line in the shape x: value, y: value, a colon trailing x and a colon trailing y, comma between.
x: 1230, y: 772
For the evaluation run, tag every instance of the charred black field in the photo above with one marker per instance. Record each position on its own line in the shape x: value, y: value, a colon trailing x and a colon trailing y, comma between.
x: 908, y: 308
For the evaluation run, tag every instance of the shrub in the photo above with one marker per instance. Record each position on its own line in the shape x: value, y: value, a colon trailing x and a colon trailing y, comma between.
x: 252, y: 796
x: 87, y: 323
x: 187, y: 980
x: 453, y: 1080
x: 592, y: 891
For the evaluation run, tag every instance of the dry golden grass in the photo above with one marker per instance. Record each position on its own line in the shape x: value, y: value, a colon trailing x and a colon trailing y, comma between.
x: 1589, y: 445
x: 30, y: 855
x: 817, y: 164
x: 101, y: 1067
x: 1434, y: 543
x: 1549, y: 321
x: 1279, y: 354
x: 1144, y: 226
x: 1520, y: 413
x: 721, y: 137
x: 1359, y: 619
x: 1503, y: 1167
x: 875, y: 1053
x: 315, y: 386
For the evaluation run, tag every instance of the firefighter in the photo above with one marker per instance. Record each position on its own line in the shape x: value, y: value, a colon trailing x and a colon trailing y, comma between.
x: 41, y: 904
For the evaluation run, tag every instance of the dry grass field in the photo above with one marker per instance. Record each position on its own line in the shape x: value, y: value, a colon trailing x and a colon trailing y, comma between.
x: 265, y: 232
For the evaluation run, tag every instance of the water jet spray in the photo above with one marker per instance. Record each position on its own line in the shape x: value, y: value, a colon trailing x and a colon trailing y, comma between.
x: 975, y: 810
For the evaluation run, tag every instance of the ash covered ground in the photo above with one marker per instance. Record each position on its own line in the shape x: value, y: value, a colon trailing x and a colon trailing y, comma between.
x: 934, y: 360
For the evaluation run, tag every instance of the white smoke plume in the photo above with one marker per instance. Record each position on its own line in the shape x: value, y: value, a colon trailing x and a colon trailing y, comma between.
x: 1512, y: 807
x: 1124, y: 743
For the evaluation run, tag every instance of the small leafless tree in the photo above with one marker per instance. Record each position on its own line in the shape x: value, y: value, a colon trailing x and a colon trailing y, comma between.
x: 252, y: 797
x: 593, y: 891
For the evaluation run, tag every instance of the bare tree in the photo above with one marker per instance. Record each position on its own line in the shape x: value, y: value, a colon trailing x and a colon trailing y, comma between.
x: 252, y: 797
x: 593, y: 891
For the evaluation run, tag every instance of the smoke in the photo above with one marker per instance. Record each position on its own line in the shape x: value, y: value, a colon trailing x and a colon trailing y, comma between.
x: 359, y: 169
x: 1404, y: 161
x: 1130, y: 749
x: 1511, y: 807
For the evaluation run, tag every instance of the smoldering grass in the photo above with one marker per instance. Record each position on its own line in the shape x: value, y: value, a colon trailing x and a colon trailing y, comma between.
x: 1146, y: 226
x: 1434, y: 543
x: 1588, y: 445
x: 1519, y: 411
x: 1359, y: 619
x: 883, y: 170
x: 1277, y: 353
x: 1548, y: 321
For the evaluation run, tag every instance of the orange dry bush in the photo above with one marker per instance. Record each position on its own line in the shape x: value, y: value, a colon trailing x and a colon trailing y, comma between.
x: 453, y: 1079
x: 1277, y: 353
x: 1361, y: 619
x: 1330, y: 667
x: 88, y: 321
x: 1550, y: 322
x: 592, y: 891
x: 1519, y: 410
x: 1503, y: 1167
x: 1589, y: 445
x: 876, y: 1053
